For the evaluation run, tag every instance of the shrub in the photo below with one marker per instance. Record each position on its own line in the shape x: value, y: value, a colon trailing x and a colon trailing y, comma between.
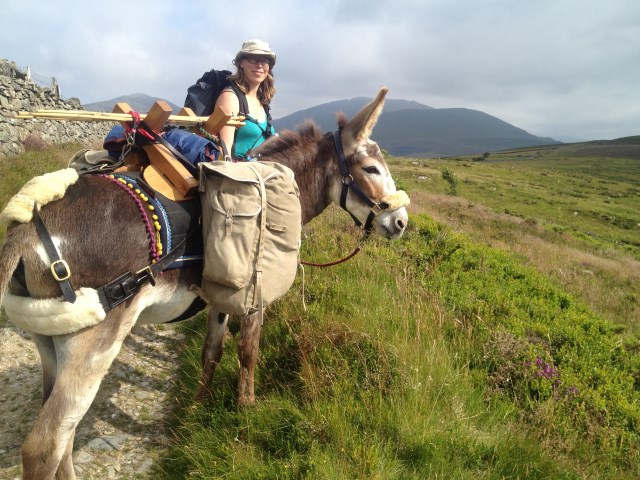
x: 34, y: 142
x: 448, y: 176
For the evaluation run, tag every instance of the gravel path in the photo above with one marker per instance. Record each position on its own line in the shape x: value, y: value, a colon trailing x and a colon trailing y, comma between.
x: 124, y: 432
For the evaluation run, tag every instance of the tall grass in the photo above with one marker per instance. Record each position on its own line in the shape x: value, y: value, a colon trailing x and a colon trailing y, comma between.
x: 16, y: 171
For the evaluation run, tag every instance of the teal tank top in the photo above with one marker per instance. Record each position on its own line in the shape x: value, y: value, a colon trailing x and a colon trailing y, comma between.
x: 249, y: 136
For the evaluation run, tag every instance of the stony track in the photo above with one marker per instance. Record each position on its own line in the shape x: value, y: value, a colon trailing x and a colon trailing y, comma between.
x: 125, y: 431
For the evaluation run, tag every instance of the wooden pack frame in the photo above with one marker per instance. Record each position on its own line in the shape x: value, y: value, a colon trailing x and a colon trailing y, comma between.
x: 164, y: 172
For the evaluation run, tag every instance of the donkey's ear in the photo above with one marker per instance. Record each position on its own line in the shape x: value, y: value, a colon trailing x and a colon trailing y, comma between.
x: 360, y: 127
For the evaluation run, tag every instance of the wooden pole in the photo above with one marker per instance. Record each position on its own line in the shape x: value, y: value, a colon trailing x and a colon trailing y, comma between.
x: 87, y: 116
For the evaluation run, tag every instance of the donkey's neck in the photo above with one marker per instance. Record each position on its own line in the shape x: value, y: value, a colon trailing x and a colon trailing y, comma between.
x: 315, y: 171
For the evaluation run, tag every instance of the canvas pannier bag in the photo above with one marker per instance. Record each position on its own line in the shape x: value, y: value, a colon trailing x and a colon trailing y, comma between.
x: 252, y: 222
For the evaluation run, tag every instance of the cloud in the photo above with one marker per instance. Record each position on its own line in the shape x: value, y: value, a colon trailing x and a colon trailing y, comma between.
x: 554, y: 68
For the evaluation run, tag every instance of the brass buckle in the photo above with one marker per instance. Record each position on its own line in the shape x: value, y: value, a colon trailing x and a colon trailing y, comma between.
x: 55, y: 274
x: 149, y: 272
x: 377, y: 209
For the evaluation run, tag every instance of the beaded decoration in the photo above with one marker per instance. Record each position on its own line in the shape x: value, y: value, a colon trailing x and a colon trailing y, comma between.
x: 147, y: 210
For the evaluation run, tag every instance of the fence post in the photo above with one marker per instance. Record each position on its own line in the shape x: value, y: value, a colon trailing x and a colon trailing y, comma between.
x: 55, y: 88
x: 28, y: 77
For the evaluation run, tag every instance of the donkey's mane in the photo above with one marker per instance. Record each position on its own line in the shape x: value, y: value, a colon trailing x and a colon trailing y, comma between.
x: 311, y: 158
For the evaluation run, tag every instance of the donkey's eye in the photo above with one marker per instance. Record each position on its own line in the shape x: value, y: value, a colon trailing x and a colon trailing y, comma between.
x: 372, y: 170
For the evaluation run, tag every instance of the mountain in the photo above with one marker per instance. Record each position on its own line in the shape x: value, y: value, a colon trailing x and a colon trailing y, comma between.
x: 139, y: 102
x: 408, y: 128
x: 449, y: 131
x: 325, y: 115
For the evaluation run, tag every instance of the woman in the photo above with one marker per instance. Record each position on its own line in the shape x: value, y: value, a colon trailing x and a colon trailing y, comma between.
x: 253, y: 80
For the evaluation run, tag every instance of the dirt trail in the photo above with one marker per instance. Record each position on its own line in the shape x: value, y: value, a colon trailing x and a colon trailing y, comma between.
x: 125, y: 430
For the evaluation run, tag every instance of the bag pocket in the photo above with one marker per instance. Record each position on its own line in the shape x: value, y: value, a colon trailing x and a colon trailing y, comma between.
x: 233, y: 210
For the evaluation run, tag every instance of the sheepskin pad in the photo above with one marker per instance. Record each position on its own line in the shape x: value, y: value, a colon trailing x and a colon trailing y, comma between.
x: 397, y: 200
x: 41, y: 190
x: 54, y: 316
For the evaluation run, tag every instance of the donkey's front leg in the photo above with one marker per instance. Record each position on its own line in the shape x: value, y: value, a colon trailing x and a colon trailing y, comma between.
x: 83, y: 359
x: 65, y: 468
x: 248, y: 344
x: 212, y: 349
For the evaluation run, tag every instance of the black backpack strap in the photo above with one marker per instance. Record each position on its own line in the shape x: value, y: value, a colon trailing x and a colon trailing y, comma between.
x: 191, y: 168
x: 268, y: 132
x: 225, y: 151
x: 242, y: 98
x: 244, y: 108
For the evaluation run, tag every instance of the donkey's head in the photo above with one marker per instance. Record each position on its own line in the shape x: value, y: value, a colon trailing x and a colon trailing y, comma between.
x: 368, y: 191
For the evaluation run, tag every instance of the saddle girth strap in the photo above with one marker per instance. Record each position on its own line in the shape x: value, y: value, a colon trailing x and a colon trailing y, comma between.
x: 128, y: 284
x: 59, y: 268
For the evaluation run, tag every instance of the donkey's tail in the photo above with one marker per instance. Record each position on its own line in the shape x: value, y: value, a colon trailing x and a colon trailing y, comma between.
x: 10, y: 255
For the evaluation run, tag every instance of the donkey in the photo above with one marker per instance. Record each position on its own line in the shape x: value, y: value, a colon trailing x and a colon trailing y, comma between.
x: 97, y: 230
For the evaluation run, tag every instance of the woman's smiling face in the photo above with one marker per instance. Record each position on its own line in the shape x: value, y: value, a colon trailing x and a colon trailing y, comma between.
x: 255, y: 68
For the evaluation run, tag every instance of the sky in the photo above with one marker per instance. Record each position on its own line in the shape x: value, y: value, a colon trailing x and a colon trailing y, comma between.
x: 566, y: 69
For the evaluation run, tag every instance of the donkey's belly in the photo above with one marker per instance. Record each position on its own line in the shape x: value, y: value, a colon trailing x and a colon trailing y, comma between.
x: 165, y: 303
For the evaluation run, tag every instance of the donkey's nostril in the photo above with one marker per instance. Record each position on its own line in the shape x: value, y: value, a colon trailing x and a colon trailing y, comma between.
x: 401, y: 224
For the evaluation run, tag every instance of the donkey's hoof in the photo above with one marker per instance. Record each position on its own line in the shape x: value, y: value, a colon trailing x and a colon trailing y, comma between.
x: 246, y: 401
x: 203, y: 394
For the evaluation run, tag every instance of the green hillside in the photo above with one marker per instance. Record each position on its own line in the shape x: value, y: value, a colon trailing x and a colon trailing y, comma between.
x: 498, y: 339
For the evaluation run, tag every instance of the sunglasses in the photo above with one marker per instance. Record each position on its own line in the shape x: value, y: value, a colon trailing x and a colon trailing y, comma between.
x: 264, y: 61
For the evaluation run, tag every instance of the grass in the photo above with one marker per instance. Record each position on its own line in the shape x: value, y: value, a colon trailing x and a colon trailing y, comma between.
x: 16, y: 171
x: 428, y: 369
x: 496, y: 340
x: 573, y: 218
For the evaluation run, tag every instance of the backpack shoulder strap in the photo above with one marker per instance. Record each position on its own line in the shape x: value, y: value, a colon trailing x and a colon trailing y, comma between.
x: 244, y: 108
x: 268, y: 133
x: 242, y: 98
x: 257, y: 293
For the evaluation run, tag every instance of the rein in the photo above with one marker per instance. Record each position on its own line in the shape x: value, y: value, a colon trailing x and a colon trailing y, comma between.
x: 337, y: 262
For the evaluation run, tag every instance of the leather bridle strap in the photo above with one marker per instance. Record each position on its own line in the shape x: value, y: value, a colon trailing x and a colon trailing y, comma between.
x: 59, y: 268
x: 349, y: 183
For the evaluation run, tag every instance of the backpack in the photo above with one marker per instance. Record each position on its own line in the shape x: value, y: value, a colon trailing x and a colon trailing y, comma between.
x: 202, y: 95
x: 251, y: 225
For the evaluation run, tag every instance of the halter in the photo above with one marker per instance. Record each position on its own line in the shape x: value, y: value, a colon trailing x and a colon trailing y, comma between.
x: 349, y: 183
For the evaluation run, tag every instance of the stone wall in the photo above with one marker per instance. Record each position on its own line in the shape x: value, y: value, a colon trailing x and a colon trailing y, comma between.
x: 18, y: 93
